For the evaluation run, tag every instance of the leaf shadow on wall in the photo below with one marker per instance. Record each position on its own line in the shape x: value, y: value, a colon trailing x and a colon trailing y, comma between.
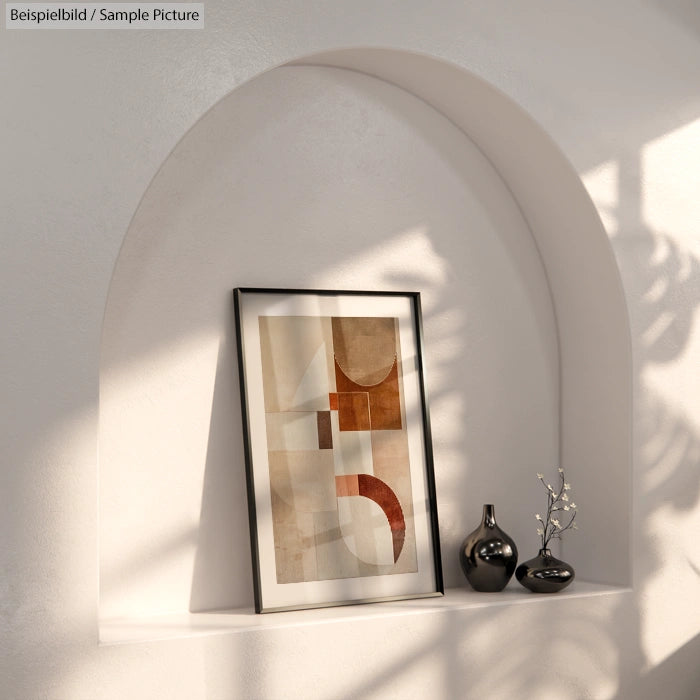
x: 662, y: 282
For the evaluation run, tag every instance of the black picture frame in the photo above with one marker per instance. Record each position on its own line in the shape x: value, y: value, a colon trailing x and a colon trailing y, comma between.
x: 277, y: 331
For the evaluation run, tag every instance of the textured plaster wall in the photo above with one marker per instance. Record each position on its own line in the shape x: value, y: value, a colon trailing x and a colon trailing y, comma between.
x: 88, y: 117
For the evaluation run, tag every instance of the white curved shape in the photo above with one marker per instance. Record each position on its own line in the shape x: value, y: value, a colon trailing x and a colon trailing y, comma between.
x: 365, y: 529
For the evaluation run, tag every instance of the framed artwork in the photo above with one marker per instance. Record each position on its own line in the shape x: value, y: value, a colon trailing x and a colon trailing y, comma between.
x: 341, y: 490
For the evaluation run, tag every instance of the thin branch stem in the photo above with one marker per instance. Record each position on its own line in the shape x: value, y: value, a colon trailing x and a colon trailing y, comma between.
x: 556, y: 501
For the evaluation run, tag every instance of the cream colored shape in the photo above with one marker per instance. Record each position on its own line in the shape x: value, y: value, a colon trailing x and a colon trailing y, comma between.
x: 365, y: 530
x: 294, y: 534
x: 289, y: 350
x: 292, y: 430
x: 313, y: 388
x: 333, y: 559
x: 304, y: 479
x: 352, y: 449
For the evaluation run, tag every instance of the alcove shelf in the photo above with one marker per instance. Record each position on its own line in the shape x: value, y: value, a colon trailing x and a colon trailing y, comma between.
x: 182, y: 625
x: 360, y: 169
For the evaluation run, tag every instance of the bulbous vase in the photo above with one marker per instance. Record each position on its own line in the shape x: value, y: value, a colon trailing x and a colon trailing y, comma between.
x: 488, y: 555
x: 545, y: 573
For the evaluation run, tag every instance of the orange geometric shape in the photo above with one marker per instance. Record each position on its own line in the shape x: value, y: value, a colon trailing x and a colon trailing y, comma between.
x: 347, y: 485
x: 383, y: 495
x: 353, y: 411
x: 333, y: 401
x: 384, y: 400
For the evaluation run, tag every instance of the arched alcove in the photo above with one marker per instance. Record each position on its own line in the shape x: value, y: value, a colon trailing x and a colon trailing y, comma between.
x: 364, y: 169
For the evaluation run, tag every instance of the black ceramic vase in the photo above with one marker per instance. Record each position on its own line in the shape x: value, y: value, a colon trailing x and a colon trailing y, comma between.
x: 488, y: 555
x: 545, y: 573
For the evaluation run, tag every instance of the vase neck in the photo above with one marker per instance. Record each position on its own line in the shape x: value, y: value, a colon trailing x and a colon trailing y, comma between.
x: 545, y: 552
x: 489, y: 518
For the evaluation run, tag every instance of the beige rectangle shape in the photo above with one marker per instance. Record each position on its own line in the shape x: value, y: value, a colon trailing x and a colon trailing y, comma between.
x: 304, y: 479
x: 352, y: 450
x: 292, y: 430
x: 295, y: 354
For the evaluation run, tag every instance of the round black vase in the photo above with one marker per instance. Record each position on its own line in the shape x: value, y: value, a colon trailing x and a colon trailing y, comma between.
x: 488, y: 555
x: 545, y: 573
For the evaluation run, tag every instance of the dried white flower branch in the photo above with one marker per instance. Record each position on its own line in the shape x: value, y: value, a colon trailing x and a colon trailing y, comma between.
x: 557, y: 500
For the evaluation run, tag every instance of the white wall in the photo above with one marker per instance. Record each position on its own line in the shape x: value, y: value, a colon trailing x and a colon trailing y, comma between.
x: 89, y: 117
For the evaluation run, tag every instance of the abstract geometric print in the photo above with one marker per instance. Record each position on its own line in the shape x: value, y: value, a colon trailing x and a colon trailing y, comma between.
x: 337, y: 447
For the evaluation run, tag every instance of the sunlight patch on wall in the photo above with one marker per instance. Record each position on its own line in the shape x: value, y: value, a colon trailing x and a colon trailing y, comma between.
x: 665, y: 629
x: 602, y: 183
x: 670, y: 377
x: 670, y: 210
x: 406, y: 259
x: 154, y: 416
x: 671, y: 179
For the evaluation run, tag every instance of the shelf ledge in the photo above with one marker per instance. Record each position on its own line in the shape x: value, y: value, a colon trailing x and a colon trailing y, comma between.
x: 128, y: 630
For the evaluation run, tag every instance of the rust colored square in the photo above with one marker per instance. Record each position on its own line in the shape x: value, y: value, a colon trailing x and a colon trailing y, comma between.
x: 333, y: 400
x: 384, y: 400
x: 347, y: 485
x: 353, y: 411
x: 325, y: 434
x: 385, y: 409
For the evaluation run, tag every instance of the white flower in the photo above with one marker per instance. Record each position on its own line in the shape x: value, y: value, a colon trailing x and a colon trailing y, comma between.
x: 538, y: 517
x: 549, y: 486
x: 567, y: 508
x: 555, y: 522
x: 540, y: 476
x: 573, y: 505
x: 560, y: 470
x: 565, y: 497
x: 567, y: 487
x: 540, y: 531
